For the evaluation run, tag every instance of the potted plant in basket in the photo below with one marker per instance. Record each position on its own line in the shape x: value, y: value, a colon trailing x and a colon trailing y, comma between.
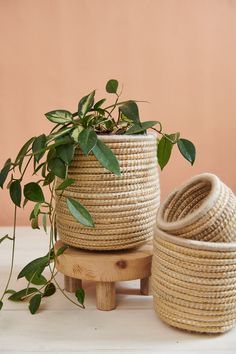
x: 103, y: 181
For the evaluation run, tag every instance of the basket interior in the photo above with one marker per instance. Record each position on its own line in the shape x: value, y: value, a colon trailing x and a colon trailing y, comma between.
x: 185, y: 201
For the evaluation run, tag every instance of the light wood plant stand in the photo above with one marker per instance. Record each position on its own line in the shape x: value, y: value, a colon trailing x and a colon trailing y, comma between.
x: 105, y: 268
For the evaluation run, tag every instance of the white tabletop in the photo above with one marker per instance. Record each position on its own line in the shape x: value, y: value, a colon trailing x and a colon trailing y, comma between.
x: 61, y: 327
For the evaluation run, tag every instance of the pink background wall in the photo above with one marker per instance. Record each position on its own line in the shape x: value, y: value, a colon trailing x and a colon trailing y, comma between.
x: 178, y: 54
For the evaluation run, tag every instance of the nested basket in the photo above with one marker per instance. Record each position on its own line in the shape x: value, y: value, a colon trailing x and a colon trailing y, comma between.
x: 123, y: 208
x: 203, y: 208
x: 194, y: 280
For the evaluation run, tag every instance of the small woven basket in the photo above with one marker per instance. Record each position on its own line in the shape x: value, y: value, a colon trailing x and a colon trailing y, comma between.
x: 123, y: 208
x: 194, y: 280
x: 204, y: 208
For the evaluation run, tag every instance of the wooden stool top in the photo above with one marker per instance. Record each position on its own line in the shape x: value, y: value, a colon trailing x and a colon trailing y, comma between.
x: 109, y: 266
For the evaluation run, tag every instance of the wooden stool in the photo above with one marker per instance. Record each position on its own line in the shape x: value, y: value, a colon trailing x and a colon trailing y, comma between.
x: 105, y: 268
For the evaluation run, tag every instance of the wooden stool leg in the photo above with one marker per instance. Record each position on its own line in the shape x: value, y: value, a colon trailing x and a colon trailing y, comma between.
x: 145, y: 286
x: 72, y: 284
x: 105, y: 296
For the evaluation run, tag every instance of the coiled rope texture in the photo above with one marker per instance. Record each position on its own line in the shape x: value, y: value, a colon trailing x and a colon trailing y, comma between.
x: 123, y: 208
x: 194, y: 262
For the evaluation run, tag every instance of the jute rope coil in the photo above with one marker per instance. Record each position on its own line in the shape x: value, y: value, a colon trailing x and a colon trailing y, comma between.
x: 123, y: 208
x: 204, y: 208
x: 89, y: 187
x: 194, y: 283
x: 194, y: 280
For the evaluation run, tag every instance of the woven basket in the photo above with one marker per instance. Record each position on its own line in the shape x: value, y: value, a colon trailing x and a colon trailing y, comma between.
x: 123, y: 208
x: 194, y: 261
x: 204, y: 208
x: 194, y: 283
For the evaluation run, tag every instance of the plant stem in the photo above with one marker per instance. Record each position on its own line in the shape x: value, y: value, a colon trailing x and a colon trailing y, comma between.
x: 56, y: 126
x: 14, y: 235
x: 160, y: 132
x: 51, y: 244
x: 12, y: 254
x: 120, y: 103
x: 115, y: 104
x: 66, y: 296
x: 27, y: 164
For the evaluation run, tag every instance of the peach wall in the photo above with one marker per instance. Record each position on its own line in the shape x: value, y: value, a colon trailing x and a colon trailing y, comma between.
x: 178, y: 54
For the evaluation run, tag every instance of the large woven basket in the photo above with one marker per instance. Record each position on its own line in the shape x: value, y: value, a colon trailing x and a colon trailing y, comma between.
x: 194, y: 283
x: 203, y: 208
x: 123, y: 208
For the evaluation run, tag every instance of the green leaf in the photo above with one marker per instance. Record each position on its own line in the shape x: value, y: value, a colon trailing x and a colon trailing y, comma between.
x: 15, y: 192
x: 10, y: 291
x: 51, y: 154
x: 36, y: 209
x: 106, y: 157
x: 59, y: 116
x: 59, y: 134
x: 44, y: 222
x: 57, y: 166
x: 35, y: 223
x: 44, y: 170
x: 20, y: 295
x: 85, y: 104
x: 62, y: 140
x: 61, y: 250
x: 142, y: 127
x: 38, y: 147
x: 79, y: 212
x: 75, y: 133
x: 24, y: 150
x: 1, y: 304
x: 101, y: 111
x: 49, y: 179
x: 37, y: 278
x: 99, y: 103
x: 50, y: 289
x: 109, y: 124
x: 35, y: 303
x: 52, y: 254
x: 66, y: 183
x: 33, y: 192
x: 20, y: 157
x: 6, y: 237
x: 25, y: 202
x: 88, y: 120
x: 87, y: 140
x: 39, y: 167
x: 174, y: 137
x: 65, y: 153
x: 4, y: 172
x: 112, y: 86
x: 80, y: 295
x: 130, y: 110
x: 164, y: 149
x: 187, y: 149
x: 37, y: 265
x: 32, y: 216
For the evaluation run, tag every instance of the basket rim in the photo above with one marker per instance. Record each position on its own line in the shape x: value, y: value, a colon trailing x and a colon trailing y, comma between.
x: 195, y: 244
x: 127, y: 137
x: 199, y: 212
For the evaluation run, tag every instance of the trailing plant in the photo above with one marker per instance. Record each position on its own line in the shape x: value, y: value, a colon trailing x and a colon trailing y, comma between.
x: 49, y: 156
